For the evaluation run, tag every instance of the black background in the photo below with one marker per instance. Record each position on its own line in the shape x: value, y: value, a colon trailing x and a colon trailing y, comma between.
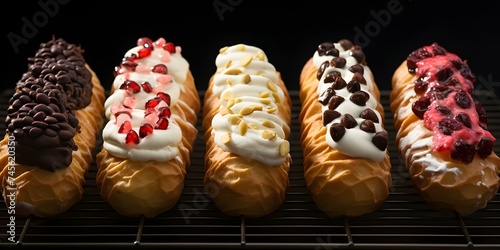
x: 289, y: 33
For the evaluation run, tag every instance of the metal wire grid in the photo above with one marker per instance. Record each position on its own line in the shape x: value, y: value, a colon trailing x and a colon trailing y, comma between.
x: 403, y: 221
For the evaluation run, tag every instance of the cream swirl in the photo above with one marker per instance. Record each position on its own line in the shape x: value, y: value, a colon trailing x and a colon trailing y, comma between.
x: 141, y: 126
x: 247, y: 123
x: 348, y: 106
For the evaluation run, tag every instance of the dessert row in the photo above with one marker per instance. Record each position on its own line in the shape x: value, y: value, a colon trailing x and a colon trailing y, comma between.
x: 148, y: 126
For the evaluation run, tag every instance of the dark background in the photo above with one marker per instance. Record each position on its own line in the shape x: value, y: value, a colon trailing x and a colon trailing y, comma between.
x: 289, y: 33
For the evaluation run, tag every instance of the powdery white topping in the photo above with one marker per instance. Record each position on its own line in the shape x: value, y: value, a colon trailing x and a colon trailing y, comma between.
x: 159, y: 146
x: 355, y: 142
x: 247, y: 123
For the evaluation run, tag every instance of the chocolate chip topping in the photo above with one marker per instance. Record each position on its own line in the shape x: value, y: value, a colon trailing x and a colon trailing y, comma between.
x: 324, y: 47
x: 369, y: 114
x: 357, y: 53
x: 335, y: 101
x: 322, y: 69
x: 367, y: 126
x: 380, y: 140
x: 346, y: 44
x: 359, y: 98
x: 329, y: 115
x: 338, y: 62
x: 348, y: 121
x: 357, y: 68
x: 41, y: 114
x: 324, y: 98
x: 337, y: 131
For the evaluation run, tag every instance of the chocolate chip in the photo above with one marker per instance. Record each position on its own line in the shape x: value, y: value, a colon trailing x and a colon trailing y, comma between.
x: 345, y: 43
x: 41, y: 107
x: 65, y: 134
x: 357, y: 68
x: 59, y: 116
x: 358, y: 54
x: 339, y: 83
x: 353, y: 86
x: 50, y: 119
x: 348, y: 121
x: 326, y: 95
x: 335, y: 101
x: 332, y: 52
x: 338, y: 62
x: 367, y: 126
x: 42, y: 98
x: 18, y: 132
x: 369, y: 114
x: 380, y: 140
x: 27, y: 120
x: 329, y: 115
x: 49, y: 132
x: 359, y: 78
x: 53, y: 126
x: 322, y: 69
x: 332, y: 77
x: 35, y: 132
x: 337, y: 131
x: 39, y: 116
x: 39, y: 124
x: 359, y: 98
x: 18, y: 122
x: 324, y: 47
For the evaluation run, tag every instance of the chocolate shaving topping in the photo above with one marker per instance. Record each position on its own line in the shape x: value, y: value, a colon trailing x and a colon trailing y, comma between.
x: 41, y: 114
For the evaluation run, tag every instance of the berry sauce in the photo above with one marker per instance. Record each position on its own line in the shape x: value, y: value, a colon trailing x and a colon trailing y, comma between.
x: 446, y: 106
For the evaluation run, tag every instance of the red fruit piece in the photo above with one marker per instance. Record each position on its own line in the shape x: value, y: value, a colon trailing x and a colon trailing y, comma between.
x: 144, y: 52
x: 464, y: 151
x: 160, y: 68
x: 164, y: 96
x: 420, y: 106
x: 132, y: 138
x: 484, y: 147
x: 133, y: 87
x: 165, y: 112
x: 162, y: 123
x: 145, y: 130
x: 447, y: 125
x: 124, y: 85
x: 129, y: 65
x: 149, y: 111
x: 147, y: 87
x: 151, y: 103
x: 144, y: 40
x: 125, y: 127
x: 170, y: 47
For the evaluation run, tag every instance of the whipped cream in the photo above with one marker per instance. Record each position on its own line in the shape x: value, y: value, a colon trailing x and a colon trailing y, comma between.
x: 148, y: 83
x: 350, y: 139
x: 248, y: 123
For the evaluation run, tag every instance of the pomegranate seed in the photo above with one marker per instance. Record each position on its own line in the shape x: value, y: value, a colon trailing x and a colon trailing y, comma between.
x: 125, y: 127
x: 116, y: 71
x: 153, y: 102
x: 146, y: 87
x: 124, y: 85
x: 160, y: 41
x: 129, y: 65
x: 170, y: 47
x: 149, y: 111
x: 145, y: 130
x: 143, y: 40
x: 123, y: 112
x: 132, y: 58
x: 133, y: 87
x: 132, y: 138
x: 144, y: 52
x: 162, y: 123
x: 164, y: 96
x: 160, y: 68
x: 165, y: 112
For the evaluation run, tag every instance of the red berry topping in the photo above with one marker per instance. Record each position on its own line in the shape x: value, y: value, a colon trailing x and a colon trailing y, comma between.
x: 145, y: 130
x: 122, y: 112
x: 164, y: 96
x: 165, y: 112
x: 151, y: 103
x: 129, y: 65
x: 463, y: 100
x: 170, y: 47
x: 420, y: 106
x: 133, y: 87
x: 132, y: 138
x: 147, y: 87
x: 447, y: 125
x: 144, y: 40
x: 484, y: 147
x: 132, y: 58
x: 464, y: 151
x: 144, y: 52
x: 162, y: 123
x: 149, y: 111
x: 125, y: 127
x: 160, y: 68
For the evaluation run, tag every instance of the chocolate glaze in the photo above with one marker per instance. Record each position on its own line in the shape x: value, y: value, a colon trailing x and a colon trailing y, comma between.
x: 41, y: 113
